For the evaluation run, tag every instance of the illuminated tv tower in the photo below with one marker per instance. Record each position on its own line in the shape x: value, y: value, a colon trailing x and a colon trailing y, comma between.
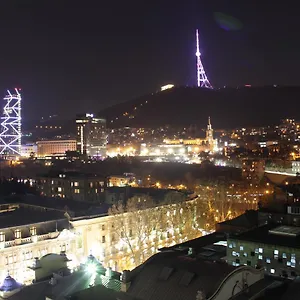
x: 10, y: 135
x: 202, y: 80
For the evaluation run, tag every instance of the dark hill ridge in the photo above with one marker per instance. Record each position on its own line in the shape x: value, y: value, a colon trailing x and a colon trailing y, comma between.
x: 228, y: 107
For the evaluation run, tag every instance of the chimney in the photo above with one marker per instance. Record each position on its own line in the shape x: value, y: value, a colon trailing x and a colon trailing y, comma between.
x: 125, y: 283
x: 192, y: 251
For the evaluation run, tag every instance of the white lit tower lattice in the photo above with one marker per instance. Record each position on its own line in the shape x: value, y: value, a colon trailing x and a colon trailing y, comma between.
x: 202, y: 80
x: 10, y: 136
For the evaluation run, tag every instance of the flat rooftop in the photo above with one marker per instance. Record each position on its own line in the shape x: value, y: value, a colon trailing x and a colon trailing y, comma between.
x: 74, y: 208
x: 286, y: 236
x: 24, y: 215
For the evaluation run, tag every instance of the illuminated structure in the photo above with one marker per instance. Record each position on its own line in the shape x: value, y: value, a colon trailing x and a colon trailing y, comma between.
x: 202, y: 144
x: 166, y: 87
x: 10, y: 136
x: 202, y: 80
x: 55, y: 147
x: 91, y: 135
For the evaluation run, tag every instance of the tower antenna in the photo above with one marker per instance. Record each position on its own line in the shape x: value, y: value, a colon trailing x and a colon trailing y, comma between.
x: 202, y: 80
x: 10, y: 135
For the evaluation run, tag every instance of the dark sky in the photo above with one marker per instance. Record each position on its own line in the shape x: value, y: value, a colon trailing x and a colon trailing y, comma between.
x: 81, y: 56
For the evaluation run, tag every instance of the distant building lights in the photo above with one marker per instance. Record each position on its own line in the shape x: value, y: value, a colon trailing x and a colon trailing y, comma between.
x: 166, y: 87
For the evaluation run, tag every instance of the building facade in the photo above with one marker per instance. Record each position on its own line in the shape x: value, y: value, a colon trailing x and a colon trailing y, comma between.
x: 72, y: 185
x: 276, y: 250
x: 29, y: 150
x: 55, y: 147
x: 203, y: 144
x: 21, y: 243
x: 91, y: 135
x: 121, y: 242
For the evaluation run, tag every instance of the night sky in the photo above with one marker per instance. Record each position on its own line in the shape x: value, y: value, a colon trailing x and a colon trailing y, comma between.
x: 80, y: 56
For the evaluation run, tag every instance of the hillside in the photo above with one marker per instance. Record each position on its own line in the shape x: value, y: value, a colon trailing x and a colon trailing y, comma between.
x: 228, y: 107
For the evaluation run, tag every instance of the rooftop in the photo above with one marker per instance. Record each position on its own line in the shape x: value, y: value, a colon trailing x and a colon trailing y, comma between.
x: 173, y: 275
x: 64, y: 286
x: 19, y: 215
x: 74, y: 208
x: 69, y: 174
x: 247, y: 220
x: 269, y: 234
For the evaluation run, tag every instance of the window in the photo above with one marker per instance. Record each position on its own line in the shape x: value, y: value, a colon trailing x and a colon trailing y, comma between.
x: 272, y: 271
x: 32, y: 231
x: 288, y: 263
x: 17, y: 233
x: 113, y: 238
x: 256, y: 251
x: 237, y: 261
x: 230, y: 246
x: 242, y: 248
x: 76, y: 183
x: 245, y: 254
x: 260, y: 257
x: 280, y: 260
x: 284, y: 255
x: 2, y: 237
x: 59, y: 189
x: 130, y: 232
x: 103, y: 239
x: 248, y: 263
x: 103, y: 227
x: 268, y: 260
x: 276, y: 252
x: 77, y: 191
x: 261, y: 250
x: 233, y: 253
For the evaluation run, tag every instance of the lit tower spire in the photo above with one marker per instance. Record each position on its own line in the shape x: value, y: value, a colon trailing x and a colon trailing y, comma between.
x: 10, y: 135
x: 202, y: 80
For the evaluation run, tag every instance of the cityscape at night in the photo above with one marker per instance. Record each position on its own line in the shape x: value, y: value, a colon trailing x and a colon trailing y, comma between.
x: 149, y: 151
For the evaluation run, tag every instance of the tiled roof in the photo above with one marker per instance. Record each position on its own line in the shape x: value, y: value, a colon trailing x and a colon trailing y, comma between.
x: 173, y: 276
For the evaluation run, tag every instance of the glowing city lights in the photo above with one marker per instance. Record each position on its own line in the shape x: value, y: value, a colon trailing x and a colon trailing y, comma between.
x: 10, y: 136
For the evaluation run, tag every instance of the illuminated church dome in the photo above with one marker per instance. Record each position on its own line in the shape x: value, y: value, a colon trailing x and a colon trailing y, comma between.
x: 9, y: 284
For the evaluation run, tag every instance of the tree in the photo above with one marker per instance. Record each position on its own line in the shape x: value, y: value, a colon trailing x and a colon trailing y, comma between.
x: 135, y: 223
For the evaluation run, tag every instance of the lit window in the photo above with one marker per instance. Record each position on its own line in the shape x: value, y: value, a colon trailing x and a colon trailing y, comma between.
x: 256, y: 251
x: 288, y: 263
x: 261, y: 250
x: 76, y: 183
x: 32, y: 230
x: 59, y: 189
x: 77, y: 191
x: 242, y: 248
x: 268, y: 260
x: 284, y: 255
x: 245, y: 254
x: 2, y: 237
x: 260, y: 257
x: 276, y: 252
x: 17, y: 233
x: 272, y: 271
x: 230, y: 246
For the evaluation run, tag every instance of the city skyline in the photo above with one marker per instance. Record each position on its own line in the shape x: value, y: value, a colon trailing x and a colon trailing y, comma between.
x: 77, y: 55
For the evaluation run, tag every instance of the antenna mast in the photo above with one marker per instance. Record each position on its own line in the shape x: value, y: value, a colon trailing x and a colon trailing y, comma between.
x: 202, y: 80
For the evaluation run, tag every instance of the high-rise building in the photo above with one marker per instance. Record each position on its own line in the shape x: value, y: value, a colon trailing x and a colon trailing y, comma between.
x: 91, y: 135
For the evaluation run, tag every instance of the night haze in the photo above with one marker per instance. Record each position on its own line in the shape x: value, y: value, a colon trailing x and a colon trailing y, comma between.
x: 79, y: 56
